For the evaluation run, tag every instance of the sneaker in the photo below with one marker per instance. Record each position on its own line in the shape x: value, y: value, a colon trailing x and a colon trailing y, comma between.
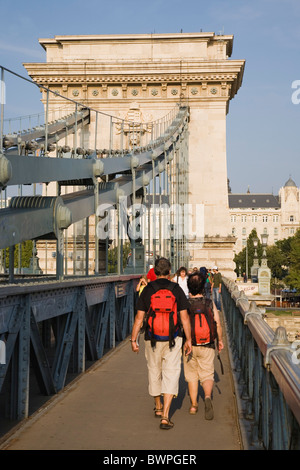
x: 209, y: 412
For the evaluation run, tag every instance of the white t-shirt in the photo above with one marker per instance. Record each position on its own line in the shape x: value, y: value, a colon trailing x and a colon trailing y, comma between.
x: 182, y: 281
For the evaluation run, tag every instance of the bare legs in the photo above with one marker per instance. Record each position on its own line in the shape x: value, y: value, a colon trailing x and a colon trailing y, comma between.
x: 165, y: 406
x: 163, y: 410
x: 193, y: 392
x: 207, y: 387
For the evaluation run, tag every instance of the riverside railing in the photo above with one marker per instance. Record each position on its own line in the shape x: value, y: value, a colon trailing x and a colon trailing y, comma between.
x: 266, y: 368
x: 51, y: 332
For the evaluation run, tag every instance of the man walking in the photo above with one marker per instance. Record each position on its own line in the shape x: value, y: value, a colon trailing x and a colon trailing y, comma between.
x: 163, y: 339
x: 217, y: 287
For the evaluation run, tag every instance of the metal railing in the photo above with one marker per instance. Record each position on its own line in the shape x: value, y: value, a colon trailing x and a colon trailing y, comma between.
x: 50, y: 329
x: 266, y: 367
x: 86, y: 161
x: 50, y: 333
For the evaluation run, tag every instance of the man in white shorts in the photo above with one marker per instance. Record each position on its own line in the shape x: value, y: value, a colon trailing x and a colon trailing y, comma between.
x: 164, y: 355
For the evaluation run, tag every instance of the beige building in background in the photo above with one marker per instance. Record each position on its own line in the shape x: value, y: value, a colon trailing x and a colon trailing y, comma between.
x: 150, y: 74
x: 278, y: 216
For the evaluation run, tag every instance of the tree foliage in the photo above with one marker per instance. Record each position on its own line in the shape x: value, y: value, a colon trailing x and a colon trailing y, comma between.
x: 293, y: 278
x: 283, y: 258
x: 113, y: 257
x: 276, y: 260
x: 26, y: 254
x: 241, y: 258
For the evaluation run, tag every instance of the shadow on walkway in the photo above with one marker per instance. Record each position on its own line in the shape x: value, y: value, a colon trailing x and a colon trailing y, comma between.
x: 108, y: 408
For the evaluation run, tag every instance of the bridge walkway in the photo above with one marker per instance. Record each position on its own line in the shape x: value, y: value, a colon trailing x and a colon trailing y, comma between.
x: 109, y: 408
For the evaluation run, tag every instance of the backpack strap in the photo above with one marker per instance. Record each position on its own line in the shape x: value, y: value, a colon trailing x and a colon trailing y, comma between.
x: 155, y: 285
x: 193, y: 302
x: 210, y: 318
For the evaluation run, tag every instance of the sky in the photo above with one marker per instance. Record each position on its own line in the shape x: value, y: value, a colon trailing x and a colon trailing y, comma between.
x: 264, y: 117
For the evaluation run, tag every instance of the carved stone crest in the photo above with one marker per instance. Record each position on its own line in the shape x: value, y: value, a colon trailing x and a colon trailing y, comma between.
x: 134, y: 125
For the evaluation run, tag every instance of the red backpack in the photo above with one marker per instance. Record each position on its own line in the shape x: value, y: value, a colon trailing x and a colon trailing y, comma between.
x: 162, y: 322
x: 204, y: 327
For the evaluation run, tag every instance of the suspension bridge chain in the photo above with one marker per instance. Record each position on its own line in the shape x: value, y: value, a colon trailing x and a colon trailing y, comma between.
x: 133, y: 154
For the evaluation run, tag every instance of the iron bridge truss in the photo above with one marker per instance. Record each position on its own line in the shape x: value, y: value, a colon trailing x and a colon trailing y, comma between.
x: 50, y: 328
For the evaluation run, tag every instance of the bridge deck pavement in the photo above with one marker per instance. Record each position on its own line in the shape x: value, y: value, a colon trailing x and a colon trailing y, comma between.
x: 108, y: 408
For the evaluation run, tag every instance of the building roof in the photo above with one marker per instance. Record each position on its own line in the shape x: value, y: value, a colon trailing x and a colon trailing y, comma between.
x: 290, y: 182
x: 255, y: 201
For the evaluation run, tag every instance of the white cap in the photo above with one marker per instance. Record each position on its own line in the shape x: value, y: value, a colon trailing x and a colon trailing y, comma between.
x: 215, y: 267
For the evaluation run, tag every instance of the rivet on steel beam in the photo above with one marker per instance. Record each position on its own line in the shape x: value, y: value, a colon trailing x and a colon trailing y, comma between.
x: 170, y: 156
x: 63, y: 216
x: 134, y: 162
x: 98, y: 167
x: 161, y: 167
x: 5, y: 171
x: 145, y: 180
x: 119, y: 193
x: 155, y: 154
x: 51, y: 147
x: 7, y: 142
x: 32, y: 145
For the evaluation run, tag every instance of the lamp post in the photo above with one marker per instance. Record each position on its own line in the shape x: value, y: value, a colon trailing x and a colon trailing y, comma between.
x: 254, y: 268
x: 247, y: 268
x: 135, y: 235
x: 264, y: 242
x: 264, y: 273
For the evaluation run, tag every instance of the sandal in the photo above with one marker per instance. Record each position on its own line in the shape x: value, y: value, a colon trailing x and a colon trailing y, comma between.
x: 158, y: 410
x: 209, y: 412
x: 167, y: 425
x: 193, y: 409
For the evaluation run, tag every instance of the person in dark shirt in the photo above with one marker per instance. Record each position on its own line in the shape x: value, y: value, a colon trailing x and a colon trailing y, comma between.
x: 163, y: 361
x: 216, y: 287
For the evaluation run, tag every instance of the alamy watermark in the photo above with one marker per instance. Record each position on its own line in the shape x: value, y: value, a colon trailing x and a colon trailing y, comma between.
x: 2, y: 92
x: 2, y: 352
x: 296, y: 353
x: 296, y: 93
x: 162, y: 221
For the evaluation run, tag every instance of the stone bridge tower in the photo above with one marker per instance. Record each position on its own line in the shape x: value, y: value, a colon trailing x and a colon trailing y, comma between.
x: 110, y: 73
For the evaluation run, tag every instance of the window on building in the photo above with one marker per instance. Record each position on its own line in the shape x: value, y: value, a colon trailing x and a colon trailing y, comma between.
x: 265, y: 218
x: 243, y: 218
x: 276, y: 231
x: 244, y: 242
x: 244, y: 231
x: 233, y: 231
x: 233, y: 218
x: 292, y: 231
x: 275, y: 218
x: 254, y: 218
x: 292, y: 218
x: 265, y: 230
